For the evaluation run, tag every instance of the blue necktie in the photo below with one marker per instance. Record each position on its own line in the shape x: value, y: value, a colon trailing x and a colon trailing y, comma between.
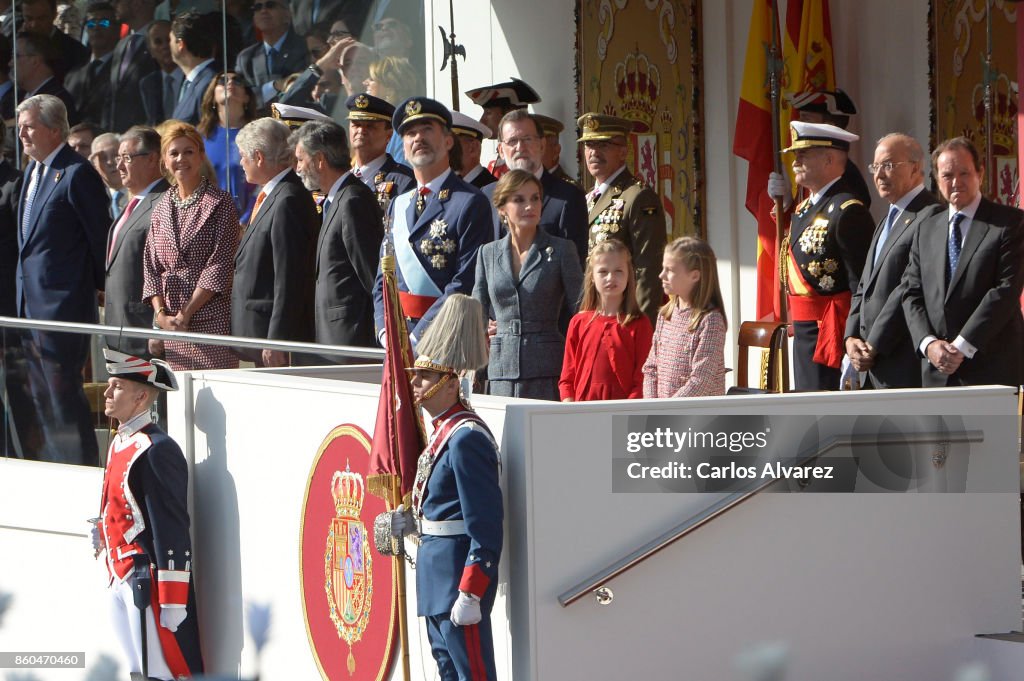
x: 273, y: 58
x: 954, y: 247
x: 326, y: 206
x: 889, y: 222
x: 35, y: 181
x: 185, y: 87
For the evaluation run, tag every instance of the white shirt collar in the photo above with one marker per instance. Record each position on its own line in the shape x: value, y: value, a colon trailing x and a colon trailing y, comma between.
x: 194, y: 73
x: 816, y: 196
x: 336, y: 186
x: 149, y: 187
x: 134, y: 424
x: 904, y: 201
x: 274, y: 181
x: 276, y: 46
x: 967, y: 211
x: 471, y: 175
x: 48, y: 161
x: 603, y: 187
x: 370, y: 169
x: 435, y: 185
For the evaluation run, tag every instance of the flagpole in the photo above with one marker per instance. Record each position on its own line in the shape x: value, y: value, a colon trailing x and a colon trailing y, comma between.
x: 400, y: 586
x: 781, y: 226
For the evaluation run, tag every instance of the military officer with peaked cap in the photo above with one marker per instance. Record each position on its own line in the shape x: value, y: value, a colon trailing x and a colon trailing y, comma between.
x: 496, y: 101
x: 369, y: 132
x: 622, y: 207
x: 552, y: 128
x: 469, y: 133
x: 826, y: 250
x: 438, y: 226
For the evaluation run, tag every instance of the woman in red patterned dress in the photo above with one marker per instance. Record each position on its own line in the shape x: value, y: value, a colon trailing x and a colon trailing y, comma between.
x: 190, y: 255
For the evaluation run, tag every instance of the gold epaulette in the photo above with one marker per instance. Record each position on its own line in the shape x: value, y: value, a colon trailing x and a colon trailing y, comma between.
x: 850, y: 203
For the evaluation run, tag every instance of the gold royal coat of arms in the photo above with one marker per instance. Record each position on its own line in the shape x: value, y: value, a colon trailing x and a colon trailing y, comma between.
x: 348, y: 575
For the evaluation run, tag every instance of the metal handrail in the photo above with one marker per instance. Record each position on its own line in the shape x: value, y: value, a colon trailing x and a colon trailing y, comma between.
x: 189, y: 336
x: 719, y: 508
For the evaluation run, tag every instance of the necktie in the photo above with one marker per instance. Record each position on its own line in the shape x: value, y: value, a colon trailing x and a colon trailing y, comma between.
x: 129, y: 53
x: 889, y: 221
x: 119, y: 224
x: 116, y: 201
x: 954, y: 246
x: 325, y: 206
x: 421, y: 200
x: 273, y: 59
x: 259, y: 202
x: 30, y: 197
x: 592, y: 198
x: 185, y: 87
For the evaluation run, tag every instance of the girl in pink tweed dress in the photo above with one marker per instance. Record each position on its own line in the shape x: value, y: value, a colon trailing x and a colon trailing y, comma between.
x: 688, y: 353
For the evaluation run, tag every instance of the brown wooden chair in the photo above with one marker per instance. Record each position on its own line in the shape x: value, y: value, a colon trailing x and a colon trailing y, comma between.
x: 771, y: 338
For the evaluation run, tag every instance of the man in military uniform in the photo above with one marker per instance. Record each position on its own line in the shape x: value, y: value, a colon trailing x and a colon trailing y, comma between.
x: 144, y: 527
x: 369, y: 131
x: 621, y: 206
x: 456, y: 500
x: 437, y: 227
x: 827, y: 246
x: 552, y: 128
x: 496, y: 101
x: 470, y: 133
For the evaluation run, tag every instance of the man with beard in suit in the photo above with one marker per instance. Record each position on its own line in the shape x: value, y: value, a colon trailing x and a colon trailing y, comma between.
x: 347, y: 250
x: 828, y: 243
x: 281, y: 53
x: 272, y: 295
x: 963, y: 283
x: 129, y: 65
x: 138, y: 163
x: 877, y: 340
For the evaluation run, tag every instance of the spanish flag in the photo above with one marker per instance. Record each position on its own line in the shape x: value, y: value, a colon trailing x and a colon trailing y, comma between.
x: 807, y: 54
x: 753, y: 142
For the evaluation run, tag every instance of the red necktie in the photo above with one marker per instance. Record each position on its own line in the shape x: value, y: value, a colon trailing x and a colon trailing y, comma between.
x: 421, y: 200
x: 119, y: 224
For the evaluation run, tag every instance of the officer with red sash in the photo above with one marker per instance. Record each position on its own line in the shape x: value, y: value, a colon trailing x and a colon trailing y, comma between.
x: 827, y: 246
x: 456, y: 499
x: 436, y: 227
x: 143, y: 527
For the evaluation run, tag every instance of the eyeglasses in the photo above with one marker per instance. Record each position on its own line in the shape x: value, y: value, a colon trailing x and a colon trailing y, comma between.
x: 127, y: 158
x: 335, y: 36
x: 98, y: 23
x: 269, y: 4
x: 888, y: 166
x: 387, y: 23
x: 235, y: 79
x: 516, y: 141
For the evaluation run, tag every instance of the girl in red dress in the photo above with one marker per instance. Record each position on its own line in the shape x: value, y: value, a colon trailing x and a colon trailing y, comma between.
x: 609, y: 337
x: 688, y: 352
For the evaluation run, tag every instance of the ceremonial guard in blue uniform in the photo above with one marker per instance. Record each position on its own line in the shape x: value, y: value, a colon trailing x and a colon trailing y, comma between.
x: 369, y: 131
x: 456, y: 500
x: 143, y: 527
x: 437, y: 227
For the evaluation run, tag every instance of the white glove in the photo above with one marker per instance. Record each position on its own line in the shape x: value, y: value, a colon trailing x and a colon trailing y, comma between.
x: 97, y: 541
x: 778, y: 187
x: 402, y: 522
x: 172, y: 616
x: 466, y: 610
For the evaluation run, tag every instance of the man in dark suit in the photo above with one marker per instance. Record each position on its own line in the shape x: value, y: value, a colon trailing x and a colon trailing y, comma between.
x: 281, y: 53
x: 565, y: 206
x: 963, y: 282
x: 828, y: 243
x: 89, y: 85
x: 35, y: 58
x: 470, y: 133
x: 347, y: 250
x: 438, y: 227
x: 129, y: 64
x: 369, y: 129
x: 37, y: 18
x: 138, y: 163
x: 160, y: 88
x: 272, y: 294
x: 193, y: 40
x: 877, y: 339
x: 62, y: 233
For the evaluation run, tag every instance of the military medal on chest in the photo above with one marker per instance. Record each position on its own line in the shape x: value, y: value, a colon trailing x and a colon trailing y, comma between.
x: 437, y: 245
x: 812, y: 240
x: 385, y: 190
x: 609, y: 221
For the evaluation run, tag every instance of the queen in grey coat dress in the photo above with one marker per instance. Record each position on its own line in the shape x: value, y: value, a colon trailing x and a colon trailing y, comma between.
x: 524, y: 296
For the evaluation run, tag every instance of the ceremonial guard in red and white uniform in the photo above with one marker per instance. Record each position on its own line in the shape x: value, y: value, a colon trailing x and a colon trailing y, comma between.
x: 143, y: 527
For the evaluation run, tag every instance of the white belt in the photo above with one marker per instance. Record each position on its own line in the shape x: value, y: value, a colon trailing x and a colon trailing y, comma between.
x: 441, y: 528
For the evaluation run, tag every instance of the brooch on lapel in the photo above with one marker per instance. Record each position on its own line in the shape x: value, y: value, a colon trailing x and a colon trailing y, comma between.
x: 379, y: 177
x: 436, y: 245
x: 56, y: 177
x: 550, y: 251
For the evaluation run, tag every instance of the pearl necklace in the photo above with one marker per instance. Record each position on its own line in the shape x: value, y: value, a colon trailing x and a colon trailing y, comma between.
x: 185, y: 203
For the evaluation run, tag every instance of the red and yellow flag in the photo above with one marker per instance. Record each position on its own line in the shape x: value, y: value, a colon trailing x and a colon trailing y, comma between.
x: 807, y: 55
x: 753, y: 142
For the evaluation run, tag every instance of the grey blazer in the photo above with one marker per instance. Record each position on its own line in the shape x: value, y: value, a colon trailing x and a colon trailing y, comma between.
x: 123, y: 305
x: 527, y: 308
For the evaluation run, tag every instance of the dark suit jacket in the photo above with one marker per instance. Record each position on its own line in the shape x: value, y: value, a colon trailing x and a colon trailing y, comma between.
x: 123, y: 305
x: 90, y: 89
x: 982, y: 302
x: 53, y: 87
x: 126, y: 108
x: 61, y: 262
x: 483, y: 178
x: 347, y: 257
x: 876, y: 311
x: 70, y: 53
x: 252, y: 61
x: 187, y: 108
x: 151, y: 89
x: 272, y: 295
x: 564, y: 213
x: 10, y: 188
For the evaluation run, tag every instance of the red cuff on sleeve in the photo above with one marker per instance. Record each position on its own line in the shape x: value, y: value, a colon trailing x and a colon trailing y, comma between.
x: 474, y: 580
x: 172, y: 587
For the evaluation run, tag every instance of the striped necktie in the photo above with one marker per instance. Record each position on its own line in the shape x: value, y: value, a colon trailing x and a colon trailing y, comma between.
x: 954, y: 246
